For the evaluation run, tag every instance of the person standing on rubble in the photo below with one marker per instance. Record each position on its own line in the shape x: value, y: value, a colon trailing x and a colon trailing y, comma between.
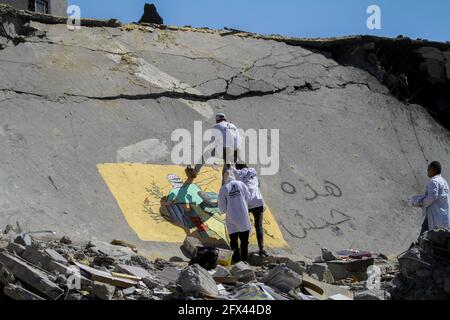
x: 226, y: 139
x: 435, y: 203
x: 233, y: 199
x: 256, y: 204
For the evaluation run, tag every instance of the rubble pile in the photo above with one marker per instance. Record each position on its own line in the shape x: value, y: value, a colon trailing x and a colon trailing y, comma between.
x: 424, y: 270
x: 58, y: 269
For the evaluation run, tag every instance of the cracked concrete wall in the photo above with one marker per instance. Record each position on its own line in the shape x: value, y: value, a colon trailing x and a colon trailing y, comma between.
x: 351, y: 154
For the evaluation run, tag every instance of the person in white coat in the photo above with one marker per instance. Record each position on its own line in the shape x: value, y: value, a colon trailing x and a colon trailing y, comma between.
x: 233, y: 199
x: 435, y: 203
x: 256, y: 204
x: 226, y: 140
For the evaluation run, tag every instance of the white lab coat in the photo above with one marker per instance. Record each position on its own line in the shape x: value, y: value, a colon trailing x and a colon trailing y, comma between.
x: 436, y: 203
x: 249, y: 177
x: 229, y: 134
x: 233, y: 197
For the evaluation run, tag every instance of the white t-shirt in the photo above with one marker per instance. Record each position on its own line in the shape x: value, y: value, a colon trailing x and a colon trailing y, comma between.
x: 249, y: 177
x: 233, y: 198
x: 230, y: 135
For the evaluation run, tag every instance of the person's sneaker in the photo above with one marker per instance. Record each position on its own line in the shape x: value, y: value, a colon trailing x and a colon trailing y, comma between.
x: 263, y: 253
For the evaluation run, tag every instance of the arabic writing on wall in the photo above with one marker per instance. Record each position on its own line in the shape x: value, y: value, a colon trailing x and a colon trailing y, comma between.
x: 303, y: 224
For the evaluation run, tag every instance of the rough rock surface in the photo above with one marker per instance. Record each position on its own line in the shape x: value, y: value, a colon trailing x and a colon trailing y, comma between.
x: 351, y: 154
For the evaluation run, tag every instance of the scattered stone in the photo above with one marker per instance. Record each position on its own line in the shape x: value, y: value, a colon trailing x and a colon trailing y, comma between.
x: 134, y: 271
x: 103, y: 291
x: 191, y: 245
x: 327, y: 255
x: 129, y: 291
x: 373, y: 294
x: 169, y: 275
x: 321, y: 272
x: 283, y: 278
x: 15, y: 248
x: 243, y: 272
x: 197, y: 281
x: 65, y: 240
x: 151, y: 15
x: 19, y: 293
x: 30, y: 275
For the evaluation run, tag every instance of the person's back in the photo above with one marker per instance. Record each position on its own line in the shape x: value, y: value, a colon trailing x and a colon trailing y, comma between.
x: 233, y: 197
x: 249, y: 177
x: 229, y: 134
x: 438, y: 209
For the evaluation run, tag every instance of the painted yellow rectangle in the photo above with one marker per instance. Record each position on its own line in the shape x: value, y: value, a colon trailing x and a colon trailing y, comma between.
x: 140, y: 188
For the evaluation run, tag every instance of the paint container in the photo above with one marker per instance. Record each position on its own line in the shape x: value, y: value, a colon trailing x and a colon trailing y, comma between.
x: 225, y: 257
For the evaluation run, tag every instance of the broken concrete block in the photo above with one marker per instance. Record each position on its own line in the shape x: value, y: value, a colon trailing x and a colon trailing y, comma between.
x: 15, y: 247
x: 55, y: 256
x: 19, y: 293
x: 373, y: 294
x: 133, y: 271
x: 191, y: 244
x: 296, y: 267
x: 65, y: 240
x: 169, y: 275
x: 243, y: 272
x: 6, y: 277
x: 327, y: 255
x: 118, y: 253
x: 221, y: 272
x: 321, y: 272
x: 30, y: 275
x: 222, y: 275
x: 129, y: 291
x: 105, y: 277
x: 283, y: 278
x: 341, y: 269
x: 197, y: 281
x: 103, y: 291
x: 151, y: 282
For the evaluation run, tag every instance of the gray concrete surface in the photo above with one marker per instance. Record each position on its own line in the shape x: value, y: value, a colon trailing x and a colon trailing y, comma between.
x: 351, y: 154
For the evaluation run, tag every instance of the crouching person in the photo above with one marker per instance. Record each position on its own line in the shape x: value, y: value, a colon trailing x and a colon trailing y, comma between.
x: 233, y: 198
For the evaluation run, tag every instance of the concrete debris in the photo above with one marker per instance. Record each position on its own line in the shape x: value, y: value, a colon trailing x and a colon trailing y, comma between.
x: 103, y: 291
x: 373, y: 294
x: 243, y: 272
x: 190, y: 245
x: 19, y: 293
x: 321, y: 272
x: 424, y: 270
x: 327, y: 255
x: 197, y: 281
x: 283, y: 278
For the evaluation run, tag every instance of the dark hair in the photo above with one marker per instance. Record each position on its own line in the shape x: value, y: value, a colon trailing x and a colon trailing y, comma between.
x: 240, y: 166
x: 436, y: 166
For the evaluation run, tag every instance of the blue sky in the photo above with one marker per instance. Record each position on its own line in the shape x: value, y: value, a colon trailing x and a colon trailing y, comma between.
x: 298, y: 18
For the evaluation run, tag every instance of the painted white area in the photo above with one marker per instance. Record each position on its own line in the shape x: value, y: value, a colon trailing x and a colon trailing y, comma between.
x: 156, y: 77
x: 147, y: 151
x: 201, y: 107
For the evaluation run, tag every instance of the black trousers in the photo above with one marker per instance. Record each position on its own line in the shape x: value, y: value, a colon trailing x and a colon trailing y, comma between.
x: 259, y: 218
x: 240, y: 254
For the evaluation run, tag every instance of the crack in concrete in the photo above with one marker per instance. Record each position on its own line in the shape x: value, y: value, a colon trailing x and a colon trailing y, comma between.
x: 170, y: 94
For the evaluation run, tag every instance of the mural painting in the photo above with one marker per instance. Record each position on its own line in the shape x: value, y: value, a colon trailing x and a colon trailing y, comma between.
x: 161, y: 204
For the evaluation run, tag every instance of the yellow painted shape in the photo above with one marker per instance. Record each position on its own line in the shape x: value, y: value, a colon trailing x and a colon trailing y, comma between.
x: 138, y: 189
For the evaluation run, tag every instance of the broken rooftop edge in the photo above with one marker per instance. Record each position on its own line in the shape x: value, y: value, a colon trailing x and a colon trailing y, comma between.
x: 319, y: 43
